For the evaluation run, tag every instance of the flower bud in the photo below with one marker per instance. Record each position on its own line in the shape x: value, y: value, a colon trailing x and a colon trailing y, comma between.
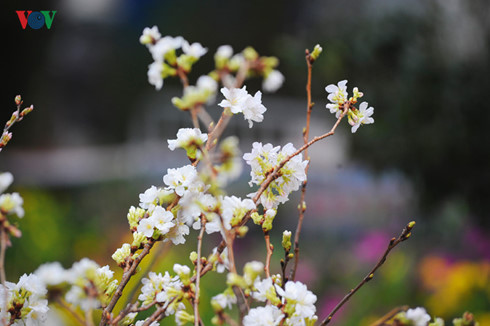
x: 316, y: 52
x: 250, y: 54
x: 138, y: 240
x: 257, y: 218
x: 286, y: 240
x: 26, y: 111
x: 193, y: 257
x: 242, y: 231
x: 18, y: 100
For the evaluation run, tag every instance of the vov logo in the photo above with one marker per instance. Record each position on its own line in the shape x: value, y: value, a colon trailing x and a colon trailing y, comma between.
x: 36, y: 19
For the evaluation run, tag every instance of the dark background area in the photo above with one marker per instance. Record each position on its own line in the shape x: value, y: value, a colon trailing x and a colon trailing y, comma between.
x: 423, y: 65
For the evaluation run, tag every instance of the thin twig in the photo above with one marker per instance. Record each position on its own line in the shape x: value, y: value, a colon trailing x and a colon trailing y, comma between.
x: 393, y: 243
x: 3, y: 248
x: 198, y: 273
x: 269, y: 249
x: 128, y: 273
x: 157, y: 315
x: 306, y: 135
x: 161, y: 251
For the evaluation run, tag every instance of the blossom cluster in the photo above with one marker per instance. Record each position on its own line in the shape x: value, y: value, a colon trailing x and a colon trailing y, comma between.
x: 87, y: 285
x: 24, y: 301
x: 263, y: 159
x: 192, y: 196
x: 238, y: 100
x: 10, y: 204
x: 286, y: 304
x: 339, y: 102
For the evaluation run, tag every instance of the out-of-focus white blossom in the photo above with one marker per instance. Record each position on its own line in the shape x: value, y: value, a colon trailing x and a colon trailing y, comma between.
x: 52, y: 274
x: 155, y: 78
x: 224, y: 52
x: 273, y: 81
x: 6, y: 179
x: 418, y: 316
x: 150, y: 36
x: 195, y: 50
x: 12, y: 204
x: 91, y: 285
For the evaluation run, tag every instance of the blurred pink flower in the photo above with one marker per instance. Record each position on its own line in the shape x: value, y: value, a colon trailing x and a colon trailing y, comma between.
x: 371, y: 246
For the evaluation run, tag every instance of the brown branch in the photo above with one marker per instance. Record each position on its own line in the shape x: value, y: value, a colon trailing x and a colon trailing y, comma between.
x: 393, y: 243
x: 269, y: 249
x: 128, y: 273
x: 3, y: 248
x: 306, y: 136
x: 162, y: 250
x: 198, y: 273
x: 157, y: 315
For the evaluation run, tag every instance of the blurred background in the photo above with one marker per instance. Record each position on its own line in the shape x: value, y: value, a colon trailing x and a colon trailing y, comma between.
x: 97, y: 138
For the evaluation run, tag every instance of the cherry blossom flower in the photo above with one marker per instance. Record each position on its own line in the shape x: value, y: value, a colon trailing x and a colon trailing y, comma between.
x: 195, y: 50
x: 235, y: 99
x: 186, y: 138
x: 263, y: 316
x: 361, y: 116
x: 150, y: 36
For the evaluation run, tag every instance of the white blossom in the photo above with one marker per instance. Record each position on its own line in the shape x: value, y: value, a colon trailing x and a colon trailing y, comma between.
x: 273, y: 81
x: 164, y: 45
x: 181, y: 269
x: 195, y: 50
x: 234, y: 209
x: 361, y: 117
x: 12, y: 204
x: 253, y: 109
x: 263, y: 159
x: 208, y: 83
x: 26, y: 298
x: 224, y: 52
x: 146, y: 226
x: 181, y: 179
x: 418, y: 316
x: 297, y: 295
x: 149, y: 197
x: 263, y: 316
x: 6, y: 179
x: 52, y: 274
x: 155, y: 78
x: 262, y: 289
x: 150, y: 36
x: 235, y: 99
x: 225, y: 300
x: 337, y: 96
x: 162, y: 219
x: 178, y: 231
x: 232, y: 166
x: 187, y: 137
